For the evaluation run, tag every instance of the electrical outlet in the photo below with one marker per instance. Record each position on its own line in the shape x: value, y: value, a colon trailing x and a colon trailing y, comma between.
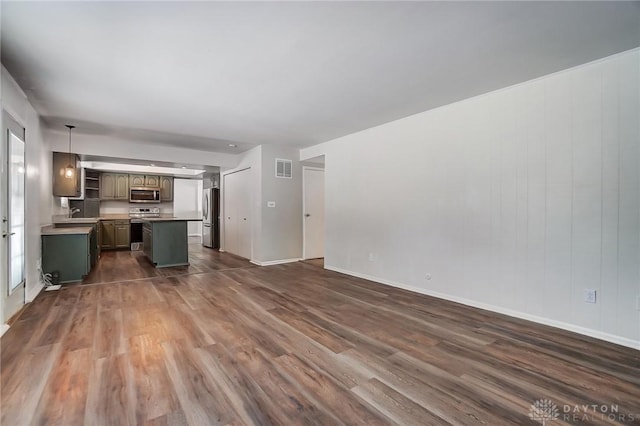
x: 428, y: 276
x: 372, y: 257
x: 589, y: 295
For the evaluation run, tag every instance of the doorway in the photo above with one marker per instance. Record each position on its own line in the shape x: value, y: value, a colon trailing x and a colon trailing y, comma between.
x: 237, y: 213
x: 313, y: 210
x: 12, y: 212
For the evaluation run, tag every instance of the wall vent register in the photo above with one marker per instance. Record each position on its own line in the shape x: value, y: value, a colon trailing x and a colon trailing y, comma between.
x: 283, y: 168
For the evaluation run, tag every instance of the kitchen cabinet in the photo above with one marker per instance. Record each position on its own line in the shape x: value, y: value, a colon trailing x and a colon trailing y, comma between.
x: 144, y: 181
x: 107, y: 186
x: 115, y: 234
x: 122, y: 234
x: 72, y: 255
x: 63, y: 186
x: 166, y: 188
x: 91, y: 184
x: 114, y: 186
x: 165, y: 243
x: 94, y: 238
x: 122, y: 187
x: 136, y: 181
x: 151, y: 181
x: 107, y: 234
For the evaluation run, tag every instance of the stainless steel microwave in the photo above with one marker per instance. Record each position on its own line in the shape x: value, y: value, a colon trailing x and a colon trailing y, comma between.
x: 144, y: 195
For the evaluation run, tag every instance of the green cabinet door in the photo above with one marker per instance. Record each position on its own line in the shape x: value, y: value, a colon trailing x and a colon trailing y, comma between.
x: 107, y: 234
x: 69, y: 255
x: 122, y: 236
x: 166, y: 243
x: 121, y: 187
x: 166, y: 188
x: 107, y: 186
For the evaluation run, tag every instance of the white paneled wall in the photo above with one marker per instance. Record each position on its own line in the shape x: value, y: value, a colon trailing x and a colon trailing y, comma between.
x: 516, y: 200
x: 187, y: 202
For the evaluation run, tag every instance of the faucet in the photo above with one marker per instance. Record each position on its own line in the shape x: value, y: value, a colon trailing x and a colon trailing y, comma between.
x: 73, y: 211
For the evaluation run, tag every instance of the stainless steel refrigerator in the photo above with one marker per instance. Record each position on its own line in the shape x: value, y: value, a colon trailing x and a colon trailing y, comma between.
x: 210, y: 218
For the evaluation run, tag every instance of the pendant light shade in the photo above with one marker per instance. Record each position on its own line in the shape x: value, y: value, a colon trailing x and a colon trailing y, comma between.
x: 70, y: 170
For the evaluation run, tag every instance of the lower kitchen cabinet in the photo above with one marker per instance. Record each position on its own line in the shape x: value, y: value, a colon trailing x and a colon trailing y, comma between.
x: 115, y: 234
x: 71, y: 255
x: 165, y: 243
x: 107, y: 234
x: 123, y: 234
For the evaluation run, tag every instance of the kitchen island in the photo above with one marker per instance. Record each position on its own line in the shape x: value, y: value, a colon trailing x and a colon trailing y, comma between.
x: 69, y: 251
x: 165, y: 240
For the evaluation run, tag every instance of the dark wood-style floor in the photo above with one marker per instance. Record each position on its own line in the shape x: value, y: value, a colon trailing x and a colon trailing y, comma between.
x: 224, y: 342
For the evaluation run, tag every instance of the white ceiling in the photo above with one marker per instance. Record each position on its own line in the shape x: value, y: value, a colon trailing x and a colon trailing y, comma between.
x: 204, y: 74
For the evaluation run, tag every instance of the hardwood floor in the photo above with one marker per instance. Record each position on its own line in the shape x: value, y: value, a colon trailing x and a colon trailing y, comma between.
x: 224, y: 342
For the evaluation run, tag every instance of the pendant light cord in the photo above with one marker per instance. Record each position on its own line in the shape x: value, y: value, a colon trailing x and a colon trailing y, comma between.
x: 70, y: 127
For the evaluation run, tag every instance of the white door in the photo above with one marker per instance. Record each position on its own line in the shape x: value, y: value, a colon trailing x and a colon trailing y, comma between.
x: 313, y: 209
x: 12, y: 212
x: 237, y: 213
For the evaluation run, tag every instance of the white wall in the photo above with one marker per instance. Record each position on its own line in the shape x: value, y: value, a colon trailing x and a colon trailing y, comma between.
x: 187, y: 202
x: 38, y: 177
x: 281, y: 225
x: 515, y: 201
x: 276, y: 232
x: 251, y: 160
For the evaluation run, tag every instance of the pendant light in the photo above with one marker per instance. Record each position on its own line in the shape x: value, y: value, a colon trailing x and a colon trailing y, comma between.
x: 70, y: 170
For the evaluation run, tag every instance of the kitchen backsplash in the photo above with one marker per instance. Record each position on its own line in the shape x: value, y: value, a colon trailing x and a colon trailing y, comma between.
x: 118, y: 207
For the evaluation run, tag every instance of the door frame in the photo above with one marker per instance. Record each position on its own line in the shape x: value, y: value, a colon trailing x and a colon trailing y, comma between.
x: 9, y: 123
x: 304, y: 207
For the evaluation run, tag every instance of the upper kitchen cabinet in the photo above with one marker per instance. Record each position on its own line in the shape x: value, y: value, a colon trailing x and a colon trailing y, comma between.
x: 91, y: 184
x: 166, y: 188
x: 144, y: 181
x: 64, y: 186
x: 136, y: 181
x: 152, y: 181
x: 114, y: 186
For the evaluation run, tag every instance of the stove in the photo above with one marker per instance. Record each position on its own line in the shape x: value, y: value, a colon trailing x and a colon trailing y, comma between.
x: 142, y: 212
x: 137, y: 215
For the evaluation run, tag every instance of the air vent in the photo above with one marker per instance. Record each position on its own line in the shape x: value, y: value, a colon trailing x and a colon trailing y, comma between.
x: 283, y: 168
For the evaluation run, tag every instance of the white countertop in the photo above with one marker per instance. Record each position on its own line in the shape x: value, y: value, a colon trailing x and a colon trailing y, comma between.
x: 63, y: 220
x: 73, y: 230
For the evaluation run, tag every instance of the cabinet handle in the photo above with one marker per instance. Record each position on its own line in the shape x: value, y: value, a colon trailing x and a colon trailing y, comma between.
x: 5, y: 235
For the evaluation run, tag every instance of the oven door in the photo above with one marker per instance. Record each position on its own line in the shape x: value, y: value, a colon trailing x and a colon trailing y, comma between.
x: 144, y: 195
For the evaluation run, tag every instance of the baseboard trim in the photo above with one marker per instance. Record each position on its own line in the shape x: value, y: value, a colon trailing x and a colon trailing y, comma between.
x: 612, y: 338
x: 3, y: 329
x: 274, y: 262
x: 31, y: 297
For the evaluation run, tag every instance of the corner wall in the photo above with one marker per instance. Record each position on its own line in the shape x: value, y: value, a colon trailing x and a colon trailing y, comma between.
x: 38, y: 178
x: 514, y: 201
x: 281, y: 225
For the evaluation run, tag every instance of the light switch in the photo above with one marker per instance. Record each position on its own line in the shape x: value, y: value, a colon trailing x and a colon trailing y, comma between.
x: 271, y: 203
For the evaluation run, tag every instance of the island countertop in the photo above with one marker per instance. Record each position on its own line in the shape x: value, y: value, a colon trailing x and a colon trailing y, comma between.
x: 53, y: 230
x: 120, y: 216
x: 171, y: 219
